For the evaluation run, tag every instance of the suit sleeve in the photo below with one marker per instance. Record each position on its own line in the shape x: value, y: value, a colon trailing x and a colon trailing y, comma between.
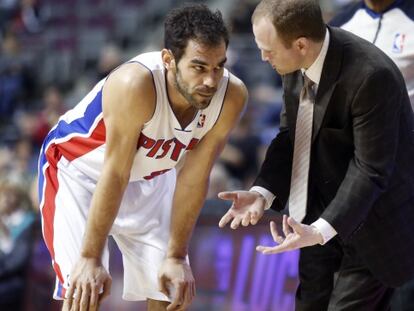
x: 275, y: 172
x: 375, y: 110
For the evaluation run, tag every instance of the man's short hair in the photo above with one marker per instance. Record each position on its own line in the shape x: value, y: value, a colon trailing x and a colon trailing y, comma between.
x: 293, y: 18
x: 193, y: 22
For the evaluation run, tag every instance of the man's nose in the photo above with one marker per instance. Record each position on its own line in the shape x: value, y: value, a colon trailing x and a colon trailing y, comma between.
x: 210, y: 80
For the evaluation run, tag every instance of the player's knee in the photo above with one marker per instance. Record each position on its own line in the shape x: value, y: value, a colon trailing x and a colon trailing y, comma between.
x: 156, y: 305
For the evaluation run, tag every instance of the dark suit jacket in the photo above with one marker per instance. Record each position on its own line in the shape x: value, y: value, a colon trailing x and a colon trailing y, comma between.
x: 361, y: 177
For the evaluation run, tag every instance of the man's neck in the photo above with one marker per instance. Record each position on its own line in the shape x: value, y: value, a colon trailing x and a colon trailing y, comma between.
x: 378, y: 6
x: 183, y: 111
x: 313, y: 54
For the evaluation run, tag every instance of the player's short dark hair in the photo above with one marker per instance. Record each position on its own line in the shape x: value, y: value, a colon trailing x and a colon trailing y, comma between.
x: 193, y: 22
x: 293, y: 18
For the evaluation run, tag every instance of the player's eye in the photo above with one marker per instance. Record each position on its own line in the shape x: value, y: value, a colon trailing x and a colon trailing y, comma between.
x: 198, y: 68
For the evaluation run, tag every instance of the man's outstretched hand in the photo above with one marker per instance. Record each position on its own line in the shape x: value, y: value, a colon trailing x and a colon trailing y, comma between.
x: 296, y: 235
x: 247, y: 208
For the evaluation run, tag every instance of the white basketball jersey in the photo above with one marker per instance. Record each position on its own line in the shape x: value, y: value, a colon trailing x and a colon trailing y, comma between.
x: 80, y: 134
x: 392, y: 31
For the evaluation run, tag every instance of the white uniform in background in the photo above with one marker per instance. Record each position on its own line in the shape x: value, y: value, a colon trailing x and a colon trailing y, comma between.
x: 392, y: 31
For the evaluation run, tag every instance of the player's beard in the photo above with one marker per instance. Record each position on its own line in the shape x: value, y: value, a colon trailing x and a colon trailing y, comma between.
x: 183, y: 89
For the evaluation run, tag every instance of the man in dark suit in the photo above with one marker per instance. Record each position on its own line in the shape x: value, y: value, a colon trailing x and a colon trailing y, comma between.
x: 387, y: 23
x: 353, y: 219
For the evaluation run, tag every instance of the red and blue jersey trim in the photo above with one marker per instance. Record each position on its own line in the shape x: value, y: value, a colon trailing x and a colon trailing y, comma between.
x: 71, y: 140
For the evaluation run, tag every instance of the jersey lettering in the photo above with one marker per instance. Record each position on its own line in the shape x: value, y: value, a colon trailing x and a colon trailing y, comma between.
x: 158, y: 149
x: 155, y: 174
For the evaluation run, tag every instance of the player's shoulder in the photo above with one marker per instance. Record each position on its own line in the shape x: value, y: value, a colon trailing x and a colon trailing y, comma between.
x: 132, y: 80
x: 132, y: 75
x: 236, y: 90
x: 130, y: 89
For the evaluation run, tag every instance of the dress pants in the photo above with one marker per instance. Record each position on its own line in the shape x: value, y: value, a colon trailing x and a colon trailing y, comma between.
x: 333, y: 277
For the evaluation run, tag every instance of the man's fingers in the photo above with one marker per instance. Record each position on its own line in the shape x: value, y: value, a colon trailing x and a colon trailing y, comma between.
x: 225, y: 219
x: 273, y: 230
x: 228, y: 195
x: 254, y: 218
x: 246, y: 219
x: 69, y: 297
x: 271, y: 250
x: 296, y: 226
x: 285, y: 227
x: 94, y: 296
x: 67, y: 304
x: 76, y: 299
x: 94, y: 307
x: 188, y: 296
x: 236, y: 222
x: 84, y: 300
x: 106, y: 289
x: 162, y: 284
x: 194, y: 288
x: 178, y: 298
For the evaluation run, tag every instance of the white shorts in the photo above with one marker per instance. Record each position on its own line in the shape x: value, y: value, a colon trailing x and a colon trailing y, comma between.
x: 141, y: 228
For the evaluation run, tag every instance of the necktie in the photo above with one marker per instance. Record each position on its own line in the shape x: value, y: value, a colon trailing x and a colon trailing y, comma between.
x: 301, y: 152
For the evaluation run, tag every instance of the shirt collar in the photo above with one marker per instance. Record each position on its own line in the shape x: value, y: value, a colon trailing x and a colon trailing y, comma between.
x: 314, y: 72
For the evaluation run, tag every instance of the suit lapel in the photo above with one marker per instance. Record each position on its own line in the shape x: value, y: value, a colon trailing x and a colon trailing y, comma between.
x: 292, y: 85
x: 330, y: 72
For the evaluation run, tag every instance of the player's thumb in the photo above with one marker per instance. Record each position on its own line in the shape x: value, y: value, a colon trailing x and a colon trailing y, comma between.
x: 163, y: 285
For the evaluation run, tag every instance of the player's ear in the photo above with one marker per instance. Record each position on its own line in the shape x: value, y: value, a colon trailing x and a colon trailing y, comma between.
x: 168, y: 59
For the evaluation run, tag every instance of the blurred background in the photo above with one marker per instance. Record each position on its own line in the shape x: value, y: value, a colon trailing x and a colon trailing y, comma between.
x: 51, y: 53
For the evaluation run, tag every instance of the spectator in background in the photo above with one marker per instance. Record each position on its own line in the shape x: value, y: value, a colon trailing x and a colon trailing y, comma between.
x: 389, y: 24
x: 240, y: 16
x: 8, y: 9
x: 240, y: 155
x: 30, y: 16
x: 109, y: 58
x: 16, y: 239
x: 53, y: 108
x: 16, y: 83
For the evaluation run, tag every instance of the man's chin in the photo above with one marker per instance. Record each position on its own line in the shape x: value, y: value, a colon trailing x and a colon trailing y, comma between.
x: 202, y: 104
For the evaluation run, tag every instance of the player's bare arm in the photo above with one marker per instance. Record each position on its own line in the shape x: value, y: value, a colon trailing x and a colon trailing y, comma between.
x: 191, y: 189
x: 128, y: 102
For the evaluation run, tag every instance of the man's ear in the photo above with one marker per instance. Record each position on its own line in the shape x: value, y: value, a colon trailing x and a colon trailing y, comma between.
x: 168, y: 60
x: 302, y: 45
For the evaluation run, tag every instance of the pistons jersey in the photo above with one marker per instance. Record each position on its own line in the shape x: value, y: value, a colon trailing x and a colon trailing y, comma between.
x: 392, y: 31
x: 80, y: 134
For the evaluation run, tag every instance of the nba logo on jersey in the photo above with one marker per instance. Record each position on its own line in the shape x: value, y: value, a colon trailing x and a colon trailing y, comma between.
x: 398, y: 44
x: 201, y: 120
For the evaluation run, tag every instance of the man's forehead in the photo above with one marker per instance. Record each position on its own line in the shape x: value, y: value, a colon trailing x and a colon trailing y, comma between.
x: 199, y: 52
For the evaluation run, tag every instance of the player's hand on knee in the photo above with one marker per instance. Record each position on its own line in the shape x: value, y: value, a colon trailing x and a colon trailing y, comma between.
x: 247, y: 208
x: 177, y: 282
x: 88, y: 279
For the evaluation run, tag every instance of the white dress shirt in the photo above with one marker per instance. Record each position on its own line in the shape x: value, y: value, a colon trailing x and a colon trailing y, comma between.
x: 313, y: 73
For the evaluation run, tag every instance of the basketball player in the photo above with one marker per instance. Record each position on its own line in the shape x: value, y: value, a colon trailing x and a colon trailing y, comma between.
x: 107, y: 167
